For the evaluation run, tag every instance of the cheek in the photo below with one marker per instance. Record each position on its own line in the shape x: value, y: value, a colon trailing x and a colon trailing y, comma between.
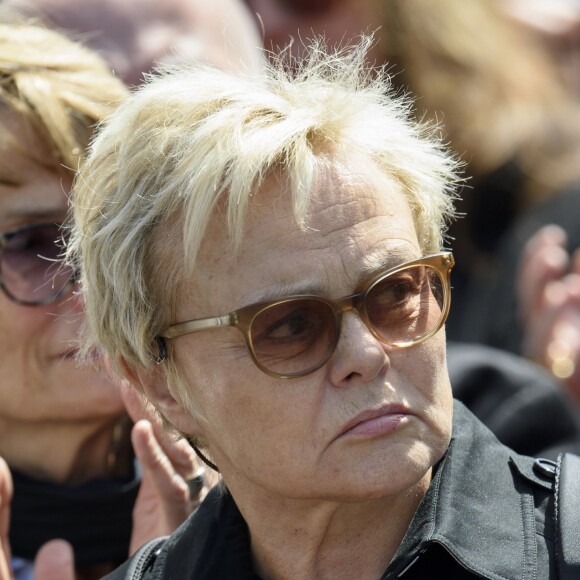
x: 247, y: 417
x: 426, y: 370
x: 439, y: 413
x: 427, y: 365
x: 20, y: 326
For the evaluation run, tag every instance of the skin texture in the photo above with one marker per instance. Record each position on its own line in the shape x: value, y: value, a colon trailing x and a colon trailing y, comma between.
x: 280, y: 444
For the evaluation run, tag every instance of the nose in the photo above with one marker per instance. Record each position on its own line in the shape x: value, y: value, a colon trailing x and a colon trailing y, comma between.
x: 359, y: 355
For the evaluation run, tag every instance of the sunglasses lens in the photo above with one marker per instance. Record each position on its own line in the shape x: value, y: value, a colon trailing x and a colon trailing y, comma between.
x: 31, y: 270
x: 406, y: 306
x: 294, y: 337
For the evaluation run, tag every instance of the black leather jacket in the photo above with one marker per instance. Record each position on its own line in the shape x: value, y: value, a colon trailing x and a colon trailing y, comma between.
x: 488, y: 513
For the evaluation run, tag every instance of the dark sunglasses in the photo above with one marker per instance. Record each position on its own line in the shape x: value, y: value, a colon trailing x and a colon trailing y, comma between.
x: 31, y: 272
x: 294, y: 336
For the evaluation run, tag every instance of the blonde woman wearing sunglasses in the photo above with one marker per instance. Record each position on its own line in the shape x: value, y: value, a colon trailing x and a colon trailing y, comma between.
x: 65, y: 433
x: 263, y: 259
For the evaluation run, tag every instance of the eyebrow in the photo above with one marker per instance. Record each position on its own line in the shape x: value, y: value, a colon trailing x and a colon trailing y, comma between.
x: 297, y: 288
x: 371, y: 265
x: 375, y: 262
x: 14, y: 218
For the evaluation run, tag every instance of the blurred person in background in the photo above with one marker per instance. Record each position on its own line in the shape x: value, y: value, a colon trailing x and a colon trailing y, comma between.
x: 135, y: 36
x: 65, y: 433
x: 557, y: 23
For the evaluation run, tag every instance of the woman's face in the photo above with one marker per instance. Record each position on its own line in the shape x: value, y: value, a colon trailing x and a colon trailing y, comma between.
x: 39, y: 378
x: 296, y: 438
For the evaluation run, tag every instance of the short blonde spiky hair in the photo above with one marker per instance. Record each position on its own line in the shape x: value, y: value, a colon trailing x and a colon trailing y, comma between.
x: 62, y: 88
x: 195, y: 136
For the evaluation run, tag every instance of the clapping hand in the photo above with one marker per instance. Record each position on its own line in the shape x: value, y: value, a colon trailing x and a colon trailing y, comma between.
x: 5, y: 498
x: 172, y: 486
x: 173, y: 479
x: 549, y: 301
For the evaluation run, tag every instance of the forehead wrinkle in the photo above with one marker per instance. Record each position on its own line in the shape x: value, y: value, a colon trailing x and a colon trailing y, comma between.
x: 303, y: 283
x: 393, y: 249
x: 347, y: 210
x: 387, y: 258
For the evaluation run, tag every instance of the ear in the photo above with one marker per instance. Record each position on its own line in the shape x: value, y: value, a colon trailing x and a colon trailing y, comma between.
x: 152, y: 382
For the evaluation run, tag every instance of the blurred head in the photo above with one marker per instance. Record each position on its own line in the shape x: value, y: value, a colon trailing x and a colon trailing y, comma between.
x: 557, y: 24
x: 135, y: 36
x: 53, y: 93
x: 209, y: 194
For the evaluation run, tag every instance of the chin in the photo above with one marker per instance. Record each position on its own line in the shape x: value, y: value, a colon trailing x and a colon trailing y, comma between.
x: 396, y: 471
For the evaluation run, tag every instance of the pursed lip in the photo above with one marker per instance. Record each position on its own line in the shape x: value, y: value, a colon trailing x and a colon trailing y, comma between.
x: 376, y: 421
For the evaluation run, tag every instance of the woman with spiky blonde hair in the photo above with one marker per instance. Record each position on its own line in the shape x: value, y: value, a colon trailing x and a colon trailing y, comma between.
x: 263, y: 258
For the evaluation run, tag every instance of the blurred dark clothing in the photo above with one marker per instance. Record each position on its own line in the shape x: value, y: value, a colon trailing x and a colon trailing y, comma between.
x: 96, y: 517
x: 518, y: 400
x: 489, y: 207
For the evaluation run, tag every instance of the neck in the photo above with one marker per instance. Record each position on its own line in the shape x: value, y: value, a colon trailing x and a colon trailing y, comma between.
x: 67, y: 452
x: 317, y: 540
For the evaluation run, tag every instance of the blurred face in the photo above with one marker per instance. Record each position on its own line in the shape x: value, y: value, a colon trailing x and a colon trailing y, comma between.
x: 369, y: 423
x: 340, y: 21
x: 557, y: 23
x: 136, y: 35
x: 39, y: 380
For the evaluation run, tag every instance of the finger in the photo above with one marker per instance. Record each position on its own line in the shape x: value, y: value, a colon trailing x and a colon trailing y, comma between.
x: 572, y: 282
x: 138, y: 407
x: 174, y: 445
x: 54, y: 561
x: 4, y: 566
x: 543, y: 261
x: 6, y: 491
x: 554, y: 338
x: 540, y: 331
x: 156, y: 465
x: 551, y: 234
x: 183, y: 458
x: 163, y: 491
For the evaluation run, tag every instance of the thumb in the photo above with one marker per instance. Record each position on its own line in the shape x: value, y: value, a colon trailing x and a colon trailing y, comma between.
x: 54, y: 561
x: 5, y: 498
